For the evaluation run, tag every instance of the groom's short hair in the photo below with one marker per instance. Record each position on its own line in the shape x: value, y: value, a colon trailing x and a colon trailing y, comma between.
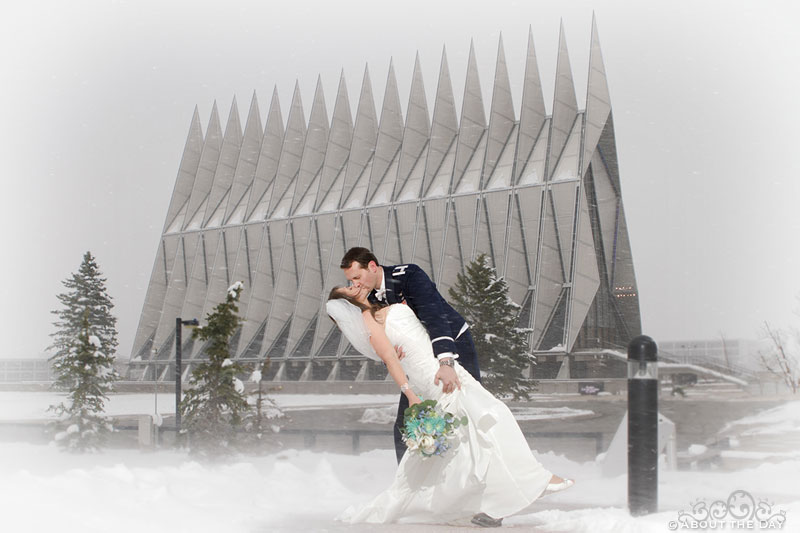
x: 359, y: 255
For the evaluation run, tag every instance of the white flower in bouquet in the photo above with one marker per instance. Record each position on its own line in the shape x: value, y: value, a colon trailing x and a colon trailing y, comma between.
x: 428, y: 444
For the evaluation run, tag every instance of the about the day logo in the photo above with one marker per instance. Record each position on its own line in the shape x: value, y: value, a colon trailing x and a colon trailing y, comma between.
x: 739, y: 511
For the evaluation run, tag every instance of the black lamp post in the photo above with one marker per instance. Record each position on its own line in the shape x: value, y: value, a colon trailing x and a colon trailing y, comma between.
x: 642, y: 426
x: 178, y: 370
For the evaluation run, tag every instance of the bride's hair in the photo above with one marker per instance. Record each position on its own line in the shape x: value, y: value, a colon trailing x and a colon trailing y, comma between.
x: 338, y: 294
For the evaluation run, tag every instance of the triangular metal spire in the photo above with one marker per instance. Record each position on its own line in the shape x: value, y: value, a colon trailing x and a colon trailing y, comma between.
x: 307, y: 182
x: 390, y: 137
x: 239, y: 270
x: 248, y: 160
x: 156, y: 292
x: 222, y: 267
x: 321, y: 253
x: 598, y: 100
x: 268, y: 158
x: 585, y: 274
x: 262, y: 284
x: 339, y: 140
x: 501, y: 120
x: 565, y: 106
x: 187, y: 170
x: 291, y: 154
x: 228, y: 156
x: 176, y: 290
x: 288, y: 282
x: 532, y: 115
x: 473, y: 118
x: 445, y: 123
x: 197, y: 288
x: 365, y: 133
x: 205, y: 171
x: 415, y: 137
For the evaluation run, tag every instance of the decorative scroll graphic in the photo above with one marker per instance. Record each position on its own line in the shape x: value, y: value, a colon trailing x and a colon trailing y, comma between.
x: 739, y: 511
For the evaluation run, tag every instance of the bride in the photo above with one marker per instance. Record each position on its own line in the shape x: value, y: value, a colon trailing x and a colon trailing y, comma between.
x: 488, y: 474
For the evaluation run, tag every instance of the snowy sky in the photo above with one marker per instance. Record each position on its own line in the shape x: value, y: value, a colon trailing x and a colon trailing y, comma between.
x: 98, y: 95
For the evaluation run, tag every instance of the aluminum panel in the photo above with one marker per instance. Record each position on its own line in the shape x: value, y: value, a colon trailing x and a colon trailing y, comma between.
x: 226, y: 166
x: 309, y: 294
x: 564, y: 201
x: 585, y: 275
x: 501, y: 120
x: 523, y: 232
x: 339, y: 140
x: 267, y: 165
x: 550, y: 276
x: 354, y: 188
x: 377, y: 219
x: 598, y: 101
x: 289, y: 163
x: 390, y: 137
x: 415, y: 139
x: 533, y: 171
x: 246, y: 164
x: 470, y: 181
x: 565, y: 106
x: 431, y: 224
x: 607, y: 205
x: 199, y: 279
x: 306, y: 184
x: 532, y: 114
x: 205, y: 170
x: 287, y: 282
x: 445, y: 124
x: 187, y: 170
x: 329, y: 236
x: 567, y: 164
x: 263, y: 267
x: 473, y: 119
x: 168, y: 254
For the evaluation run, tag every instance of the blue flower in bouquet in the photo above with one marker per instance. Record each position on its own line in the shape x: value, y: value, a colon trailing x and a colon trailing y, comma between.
x: 428, y: 430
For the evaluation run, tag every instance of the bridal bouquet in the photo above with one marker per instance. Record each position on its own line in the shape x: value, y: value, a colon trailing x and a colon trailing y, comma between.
x: 428, y: 430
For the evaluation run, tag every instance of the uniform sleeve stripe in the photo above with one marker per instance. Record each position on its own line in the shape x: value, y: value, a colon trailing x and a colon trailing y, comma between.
x: 442, y: 339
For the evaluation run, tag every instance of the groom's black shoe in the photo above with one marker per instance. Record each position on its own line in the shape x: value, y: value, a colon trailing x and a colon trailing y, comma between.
x: 484, y: 520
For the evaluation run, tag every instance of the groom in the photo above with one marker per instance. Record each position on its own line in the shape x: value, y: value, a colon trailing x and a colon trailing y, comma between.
x: 409, y: 284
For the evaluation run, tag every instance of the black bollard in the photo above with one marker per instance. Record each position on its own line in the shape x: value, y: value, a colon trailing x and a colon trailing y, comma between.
x: 642, y: 426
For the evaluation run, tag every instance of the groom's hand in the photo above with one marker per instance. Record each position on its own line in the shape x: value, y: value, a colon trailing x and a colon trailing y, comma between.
x: 448, y: 378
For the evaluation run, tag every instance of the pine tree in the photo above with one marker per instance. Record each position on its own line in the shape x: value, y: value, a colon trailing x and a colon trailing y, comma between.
x: 265, y: 416
x: 215, y: 405
x: 86, y: 294
x: 481, y: 297
x: 84, y: 360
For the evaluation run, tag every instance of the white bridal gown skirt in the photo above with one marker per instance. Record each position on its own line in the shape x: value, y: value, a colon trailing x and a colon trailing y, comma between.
x: 489, y: 468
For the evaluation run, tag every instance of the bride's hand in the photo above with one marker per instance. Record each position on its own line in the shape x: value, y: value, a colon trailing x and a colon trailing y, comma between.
x: 413, y: 399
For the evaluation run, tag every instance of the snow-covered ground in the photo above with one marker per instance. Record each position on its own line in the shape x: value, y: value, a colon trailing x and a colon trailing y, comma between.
x: 16, y: 406
x: 24, y: 406
x: 43, y: 489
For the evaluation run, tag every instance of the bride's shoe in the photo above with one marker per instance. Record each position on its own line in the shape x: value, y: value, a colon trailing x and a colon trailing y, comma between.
x: 558, y: 487
x: 484, y: 520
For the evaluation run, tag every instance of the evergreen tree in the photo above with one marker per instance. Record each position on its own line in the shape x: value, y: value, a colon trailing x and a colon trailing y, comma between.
x: 83, y: 363
x: 86, y: 294
x: 481, y: 297
x: 215, y: 405
x: 265, y: 416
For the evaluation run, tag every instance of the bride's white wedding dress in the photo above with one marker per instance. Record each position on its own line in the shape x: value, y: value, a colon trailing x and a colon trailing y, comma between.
x: 490, y: 469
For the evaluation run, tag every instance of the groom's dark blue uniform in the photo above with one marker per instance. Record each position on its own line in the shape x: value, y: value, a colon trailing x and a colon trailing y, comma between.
x: 411, y: 284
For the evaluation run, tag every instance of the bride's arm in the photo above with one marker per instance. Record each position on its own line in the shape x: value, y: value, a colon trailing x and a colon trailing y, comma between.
x: 386, y: 352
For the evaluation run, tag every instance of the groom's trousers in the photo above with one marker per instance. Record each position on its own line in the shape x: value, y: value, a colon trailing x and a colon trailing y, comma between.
x: 467, y: 358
